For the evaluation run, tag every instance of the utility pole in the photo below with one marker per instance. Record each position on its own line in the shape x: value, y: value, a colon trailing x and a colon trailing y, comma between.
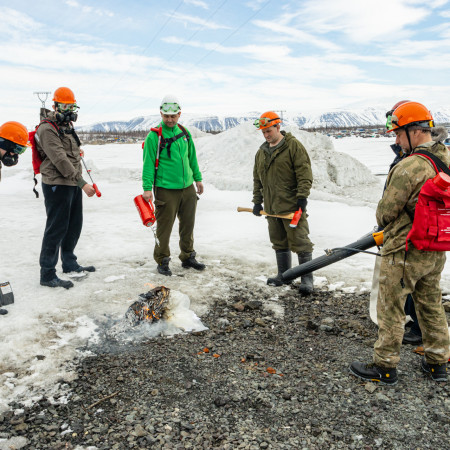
x: 281, y: 111
x: 43, y: 100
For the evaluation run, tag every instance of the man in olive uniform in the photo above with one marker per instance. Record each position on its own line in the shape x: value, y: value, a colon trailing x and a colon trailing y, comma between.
x: 173, y: 181
x: 62, y: 185
x: 421, y: 270
x: 282, y: 180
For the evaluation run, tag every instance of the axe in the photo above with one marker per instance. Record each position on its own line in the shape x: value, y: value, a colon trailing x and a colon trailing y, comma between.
x: 289, y: 216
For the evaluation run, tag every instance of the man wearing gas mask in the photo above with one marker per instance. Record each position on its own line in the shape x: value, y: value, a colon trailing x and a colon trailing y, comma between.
x: 62, y: 183
x: 13, y: 142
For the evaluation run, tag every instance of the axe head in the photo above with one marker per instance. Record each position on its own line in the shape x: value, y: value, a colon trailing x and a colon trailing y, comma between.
x: 296, y: 218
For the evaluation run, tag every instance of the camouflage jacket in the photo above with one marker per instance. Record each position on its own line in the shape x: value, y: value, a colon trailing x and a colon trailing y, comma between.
x: 281, y: 177
x: 396, y: 209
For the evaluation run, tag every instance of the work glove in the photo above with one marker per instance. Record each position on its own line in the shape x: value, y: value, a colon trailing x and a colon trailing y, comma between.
x: 257, y: 209
x: 301, y: 203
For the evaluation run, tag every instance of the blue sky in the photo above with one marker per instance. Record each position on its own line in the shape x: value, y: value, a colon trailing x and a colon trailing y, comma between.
x: 223, y: 56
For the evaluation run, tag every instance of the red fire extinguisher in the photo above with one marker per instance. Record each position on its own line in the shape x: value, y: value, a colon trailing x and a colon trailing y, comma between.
x: 146, y: 210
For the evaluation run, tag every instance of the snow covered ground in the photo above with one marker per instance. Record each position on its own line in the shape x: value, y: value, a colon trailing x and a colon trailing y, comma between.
x: 46, y: 327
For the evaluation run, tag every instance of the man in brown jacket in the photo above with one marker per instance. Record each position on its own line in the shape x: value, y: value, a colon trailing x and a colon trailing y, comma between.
x: 282, y: 180
x: 62, y: 183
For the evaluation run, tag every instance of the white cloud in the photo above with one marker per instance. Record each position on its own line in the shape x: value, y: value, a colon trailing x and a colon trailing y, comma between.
x: 13, y: 21
x: 89, y: 9
x: 198, y: 3
x: 198, y: 21
x: 362, y: 22
x: 296, y: 35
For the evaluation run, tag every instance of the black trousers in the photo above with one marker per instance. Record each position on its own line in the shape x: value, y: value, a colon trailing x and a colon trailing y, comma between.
x: 64, y: 208
x: 410, y: 310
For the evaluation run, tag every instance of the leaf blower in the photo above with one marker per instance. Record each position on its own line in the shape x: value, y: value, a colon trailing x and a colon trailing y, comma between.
x: 333, y: 255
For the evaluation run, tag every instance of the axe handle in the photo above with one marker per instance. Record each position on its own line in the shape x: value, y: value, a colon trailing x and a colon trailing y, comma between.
x: 263, y: 213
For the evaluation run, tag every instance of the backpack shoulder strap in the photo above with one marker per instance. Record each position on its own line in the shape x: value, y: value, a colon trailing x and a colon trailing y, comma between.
x: 184, y: 131
x: 437, y: 163
x: 53, y: 124
x: 167, y: 142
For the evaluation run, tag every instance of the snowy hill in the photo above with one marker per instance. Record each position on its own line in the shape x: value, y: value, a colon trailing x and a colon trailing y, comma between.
x: 342, y: 119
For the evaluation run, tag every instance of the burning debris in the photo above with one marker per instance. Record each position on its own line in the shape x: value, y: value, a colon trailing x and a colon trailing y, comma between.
x: 150, y: 307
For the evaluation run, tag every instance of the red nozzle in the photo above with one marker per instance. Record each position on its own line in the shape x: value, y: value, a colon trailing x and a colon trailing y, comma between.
x: 97, y: 192
x: 296, y: 218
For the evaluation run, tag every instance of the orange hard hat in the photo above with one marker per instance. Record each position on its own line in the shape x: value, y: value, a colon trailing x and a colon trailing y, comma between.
x: 267, y: 119
x: 14, y: 132
x: 409, y: 114
x: 64, y: 95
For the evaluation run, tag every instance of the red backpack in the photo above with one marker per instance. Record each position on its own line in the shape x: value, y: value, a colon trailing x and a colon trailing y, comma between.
x: 431, y: 224
x: 36, y: 157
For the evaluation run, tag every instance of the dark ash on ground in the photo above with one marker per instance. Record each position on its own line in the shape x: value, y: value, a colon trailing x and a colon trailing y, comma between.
x: 265, y: 382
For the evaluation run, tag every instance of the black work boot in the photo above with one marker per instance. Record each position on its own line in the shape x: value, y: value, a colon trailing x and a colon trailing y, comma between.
x: 163, y: 267
x: 284, y: 262
x: 81, y: 269
x: 192, y: 262
x: 438, y: 372
x: 412, y: 338
x: 307, y: 285
x: 57, y: 282
x: 372, y: 372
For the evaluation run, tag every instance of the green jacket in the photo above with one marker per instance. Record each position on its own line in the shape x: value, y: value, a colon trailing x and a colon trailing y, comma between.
x: 282, y: 177
x: 61, y: 163
x: 402, y: 191
x: 177, y: 172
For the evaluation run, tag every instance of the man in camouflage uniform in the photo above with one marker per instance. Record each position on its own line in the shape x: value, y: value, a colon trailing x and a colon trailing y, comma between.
x: 421, y: 270
x: 282, y: 180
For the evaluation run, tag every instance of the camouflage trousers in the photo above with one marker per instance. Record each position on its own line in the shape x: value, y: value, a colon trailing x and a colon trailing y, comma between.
x: 421, y: 279
x: 282, y: 236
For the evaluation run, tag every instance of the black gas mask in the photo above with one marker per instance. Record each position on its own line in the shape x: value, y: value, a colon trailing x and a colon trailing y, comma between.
x: 10, y: 160
x: 66, y: 113
x: 13, y: 150
x: 64, y: 118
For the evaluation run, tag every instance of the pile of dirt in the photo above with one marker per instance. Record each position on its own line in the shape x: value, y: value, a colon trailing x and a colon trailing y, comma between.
x: 256, y: 379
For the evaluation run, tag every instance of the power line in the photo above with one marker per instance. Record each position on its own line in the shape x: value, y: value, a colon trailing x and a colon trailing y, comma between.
x: 143, y: 51
x: 218, y: 45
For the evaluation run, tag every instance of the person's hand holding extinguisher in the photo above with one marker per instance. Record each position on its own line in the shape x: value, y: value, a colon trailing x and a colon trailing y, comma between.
x: 88, y: 190
x: 148, y: 196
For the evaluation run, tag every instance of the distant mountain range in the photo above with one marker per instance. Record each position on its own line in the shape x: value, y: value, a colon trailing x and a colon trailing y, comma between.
x: 340, y: 119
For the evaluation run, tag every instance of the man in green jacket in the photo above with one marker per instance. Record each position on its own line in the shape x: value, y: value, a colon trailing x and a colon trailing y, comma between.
x: 282, y: 180
x: 419, y: 274
x: 172, y: 180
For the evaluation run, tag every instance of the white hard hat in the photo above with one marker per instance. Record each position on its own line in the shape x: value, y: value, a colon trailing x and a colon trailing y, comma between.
x: 170, y: 105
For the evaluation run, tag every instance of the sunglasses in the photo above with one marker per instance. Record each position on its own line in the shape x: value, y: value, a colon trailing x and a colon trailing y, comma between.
x: 12, y: 147
x: 170, y: 107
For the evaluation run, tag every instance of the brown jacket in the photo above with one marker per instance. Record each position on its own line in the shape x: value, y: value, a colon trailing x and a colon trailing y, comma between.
x: 61, y: 163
